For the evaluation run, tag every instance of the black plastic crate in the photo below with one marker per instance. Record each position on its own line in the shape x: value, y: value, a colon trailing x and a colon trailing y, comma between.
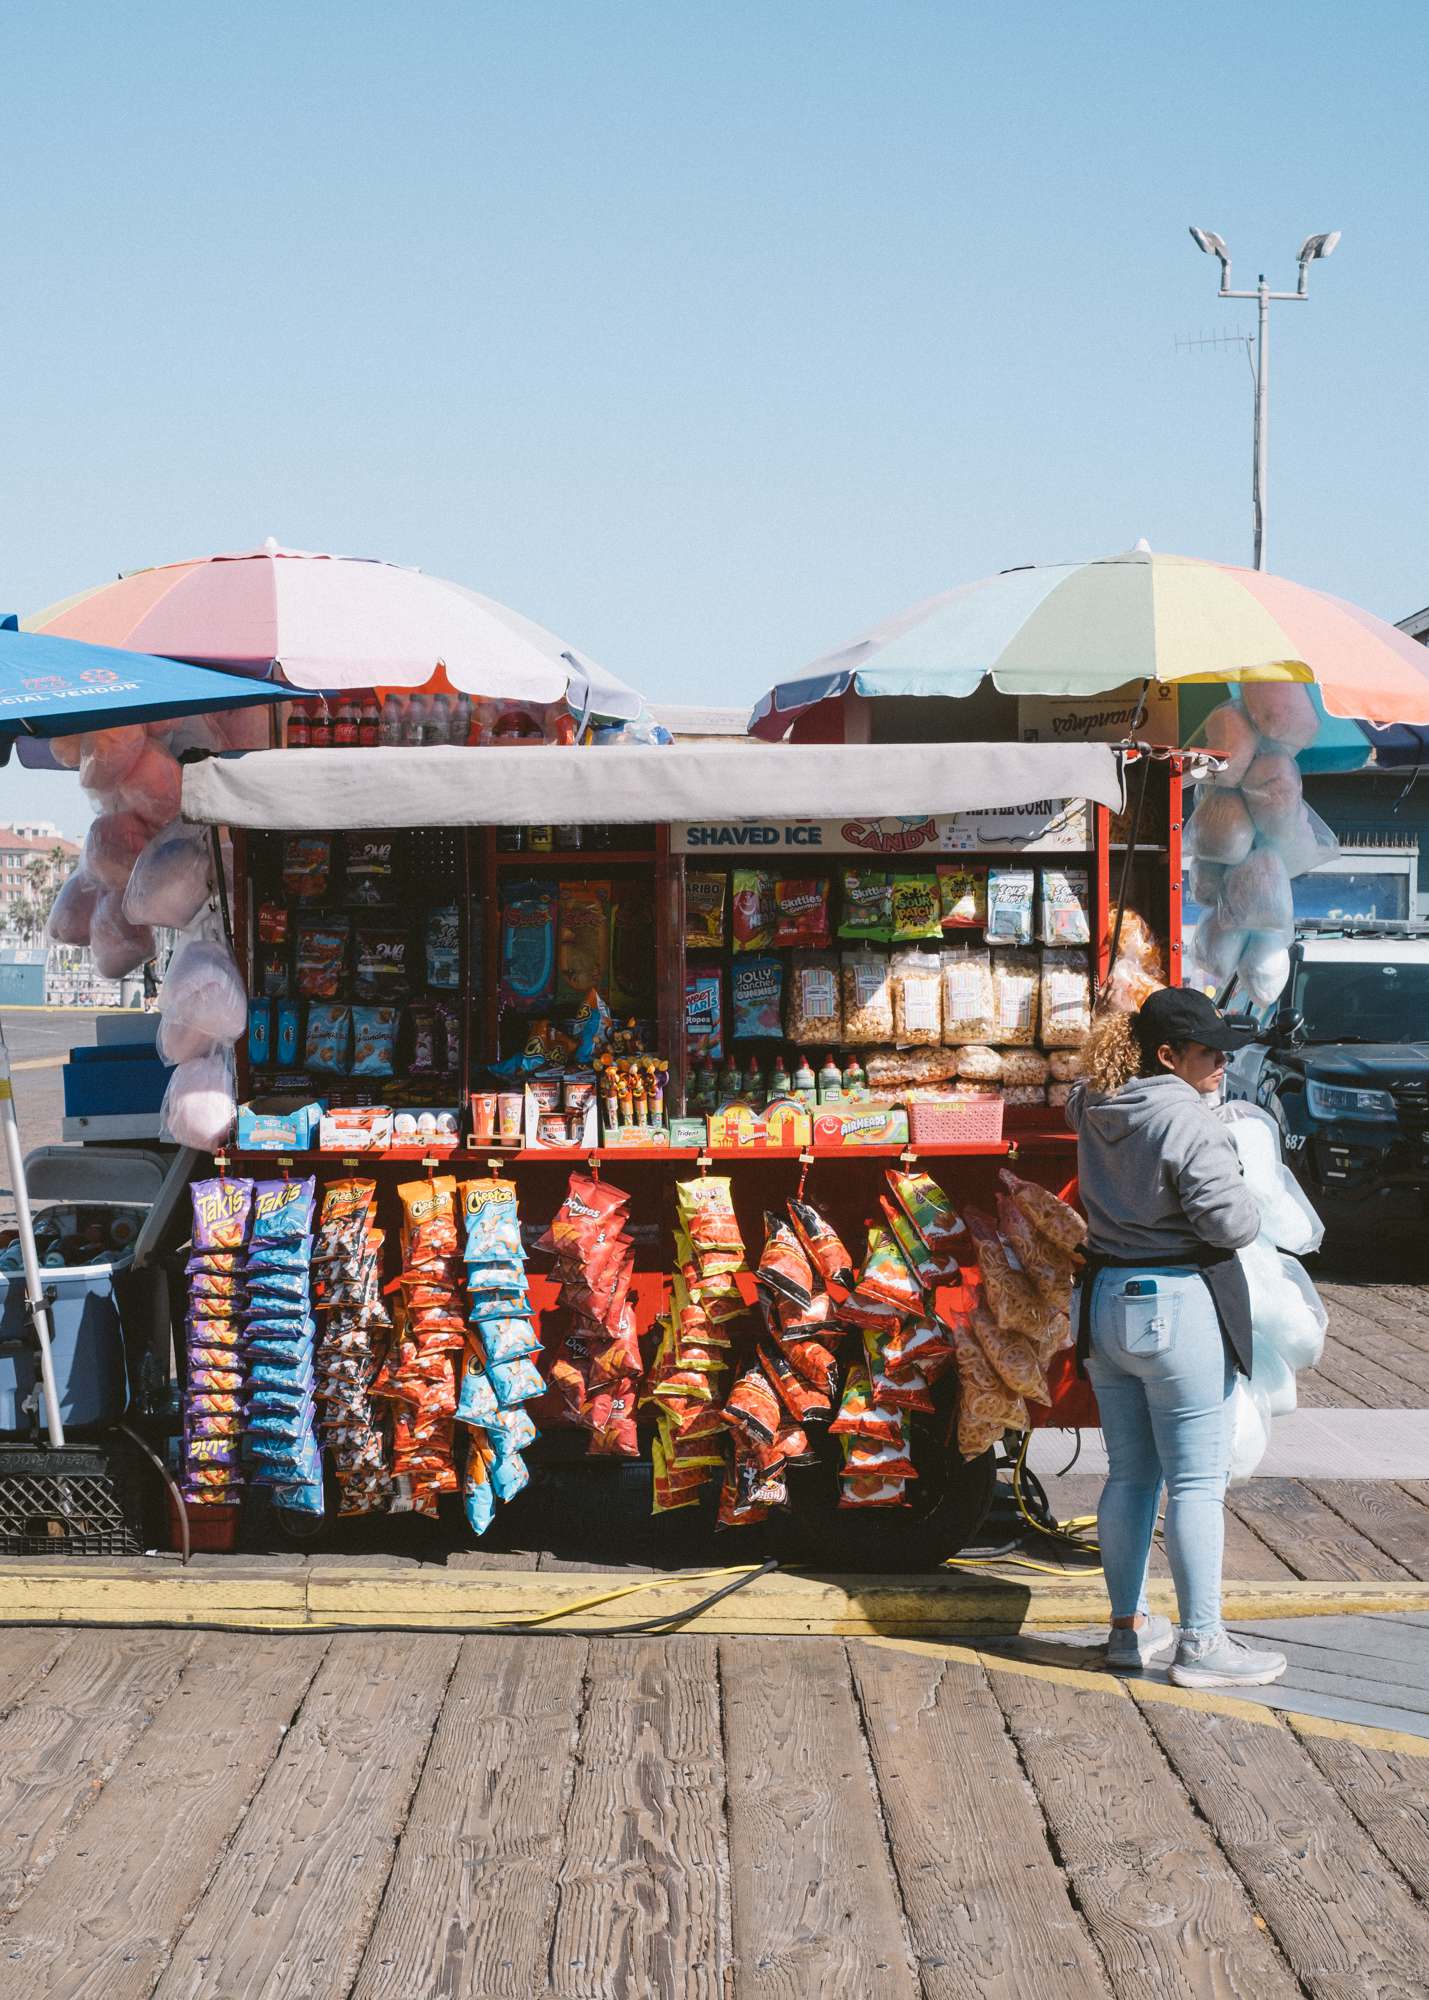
x: 83, y: 1501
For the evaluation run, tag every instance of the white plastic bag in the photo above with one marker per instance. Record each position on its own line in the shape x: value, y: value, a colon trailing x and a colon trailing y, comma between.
x: 1256, y: 895
x: 170, y: 882
x: 1289, y: 1220
x: 199, y: 1105
x: 1283, y: 712
x: 1274, y: 1378
x: 1274, y: 796
x: 152, y: 787
x: 1304, y: 1348
x: 1230, y: 733
x: 1248, y: 1425
x: 204, y: 991
x: 1264, y: 965
x: 72, y: 912
x: 112, y: 846
x: 1221, y: 828
x: 1281, y: 1312
x: 117, y: 945
x: 177, y: 1042
x: 1309, y: 843
x: 107, y: 756
x: 1216, y: 947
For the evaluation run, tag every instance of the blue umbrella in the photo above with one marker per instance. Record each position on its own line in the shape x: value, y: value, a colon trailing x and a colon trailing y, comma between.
x: 58, y: 687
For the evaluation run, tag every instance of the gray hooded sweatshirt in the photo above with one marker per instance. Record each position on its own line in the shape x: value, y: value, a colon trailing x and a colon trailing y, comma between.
x: 1157, y: 1171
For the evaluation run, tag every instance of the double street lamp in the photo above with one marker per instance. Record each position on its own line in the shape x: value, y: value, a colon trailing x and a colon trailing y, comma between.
x: 1312, y: 248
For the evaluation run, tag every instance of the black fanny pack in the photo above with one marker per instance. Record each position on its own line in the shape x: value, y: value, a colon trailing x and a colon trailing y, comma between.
x: 1225, y: 1280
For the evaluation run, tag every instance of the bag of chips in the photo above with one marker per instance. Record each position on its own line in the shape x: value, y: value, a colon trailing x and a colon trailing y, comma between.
x: 1066, y: 999
x: 753, y: 1406
x: 823, y: 1243
x: 582, y: 938
x: 1049, y: 1215
x: 860, y: 1490
x: 860, y: 1416
x: 1007, y: 1291
x: 886, y: 1276
x: 307, y: 865
x: 801, y: 913
x: 528, y: 944
x: 931, y: 1213
x: 283, y: 1210
x: 784, y: 1270
x: 1013, y: 1355
x: 801, y: 1399
x: 321, y: 957
x: 983, y: 1397
x: 374, y: 1041
x: 328, y: 1046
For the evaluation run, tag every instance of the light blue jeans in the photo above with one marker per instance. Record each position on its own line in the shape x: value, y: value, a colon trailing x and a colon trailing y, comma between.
x: 1163, y: 1379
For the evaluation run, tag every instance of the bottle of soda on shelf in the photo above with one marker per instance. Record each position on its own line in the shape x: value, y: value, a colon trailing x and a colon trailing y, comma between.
x: 437, y: 720
x: 394, y: 721
x: 509, y: 839
x: 369, y: 723
x: 297, y: 737
x: 345, y: 725
x: 319, y: 725
x: 460, y: 728
x: 416, y: 721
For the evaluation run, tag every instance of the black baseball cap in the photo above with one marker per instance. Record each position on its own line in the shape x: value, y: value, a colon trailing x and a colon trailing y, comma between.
x: 1181, y: 1014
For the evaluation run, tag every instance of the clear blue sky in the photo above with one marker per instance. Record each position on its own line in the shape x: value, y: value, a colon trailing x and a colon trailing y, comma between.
x: 704, y: 335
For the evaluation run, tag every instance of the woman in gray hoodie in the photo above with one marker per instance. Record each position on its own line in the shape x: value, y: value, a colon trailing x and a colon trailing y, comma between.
x: 1163, y: 1320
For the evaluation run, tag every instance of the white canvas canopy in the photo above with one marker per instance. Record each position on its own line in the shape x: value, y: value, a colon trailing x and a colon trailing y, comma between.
x: 441, y: 786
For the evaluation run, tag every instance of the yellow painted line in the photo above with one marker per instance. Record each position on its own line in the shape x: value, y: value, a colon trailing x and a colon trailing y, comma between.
x: 1208, y: 1700
x: 941, y: 1605
x: 1204, y: 1701
x: 1392, y: 1742
x: 41, y: 1062
x: 1085, y: 1679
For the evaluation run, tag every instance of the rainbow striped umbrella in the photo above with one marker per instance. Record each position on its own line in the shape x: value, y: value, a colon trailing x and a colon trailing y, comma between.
x: 1085, y: 628
x: 329, y: 623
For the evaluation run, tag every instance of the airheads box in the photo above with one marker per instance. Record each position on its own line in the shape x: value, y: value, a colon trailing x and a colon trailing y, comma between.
x: 740, y: 1128
x: 869, y: 1124
x: 278, y: 1124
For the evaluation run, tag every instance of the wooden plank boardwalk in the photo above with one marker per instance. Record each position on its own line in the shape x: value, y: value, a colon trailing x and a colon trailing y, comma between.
x: 233, y: 1817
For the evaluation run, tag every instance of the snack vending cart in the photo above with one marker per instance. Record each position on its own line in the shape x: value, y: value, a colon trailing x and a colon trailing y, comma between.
x: 710, y: 1127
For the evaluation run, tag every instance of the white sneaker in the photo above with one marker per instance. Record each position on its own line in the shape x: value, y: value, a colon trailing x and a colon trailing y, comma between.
x: 1130, y: 1647
x: 1217, y: 1660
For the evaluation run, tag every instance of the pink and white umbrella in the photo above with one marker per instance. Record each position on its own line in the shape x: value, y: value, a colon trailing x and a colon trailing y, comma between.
x: 328, y: 623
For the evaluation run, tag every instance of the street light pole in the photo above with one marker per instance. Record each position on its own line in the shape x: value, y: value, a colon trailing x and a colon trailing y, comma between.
x: 1312, y: 248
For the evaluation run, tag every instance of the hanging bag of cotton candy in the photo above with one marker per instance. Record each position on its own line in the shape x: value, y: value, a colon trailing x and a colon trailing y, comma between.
x: 200, y: 1105
x: 1287, y: 1217
x: 1248, y: 1428
x: 172, y: 877
x: 203, y: 1005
